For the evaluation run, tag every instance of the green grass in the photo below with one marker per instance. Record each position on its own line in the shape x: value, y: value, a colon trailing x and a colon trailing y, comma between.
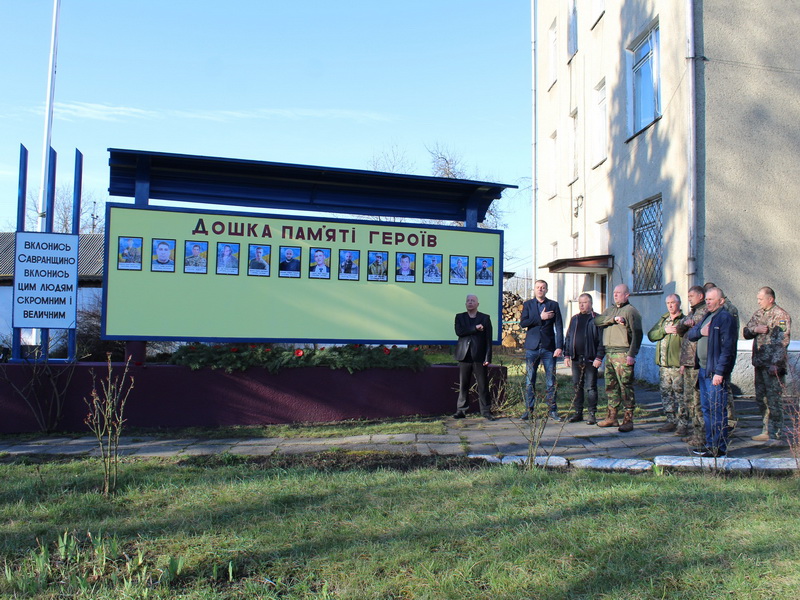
x: 234, y: 528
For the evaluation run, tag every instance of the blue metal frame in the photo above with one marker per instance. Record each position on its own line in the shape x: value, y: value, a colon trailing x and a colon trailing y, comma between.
x: 16, y: 339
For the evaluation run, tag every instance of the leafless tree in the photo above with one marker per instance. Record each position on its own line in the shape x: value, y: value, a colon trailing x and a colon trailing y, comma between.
x: 91, y: 217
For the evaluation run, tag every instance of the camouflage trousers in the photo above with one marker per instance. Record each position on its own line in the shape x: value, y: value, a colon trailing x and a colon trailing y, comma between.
x: 619, y: 381
x: 671, y: 387
x: 769, y: 398
x: 689, y: 411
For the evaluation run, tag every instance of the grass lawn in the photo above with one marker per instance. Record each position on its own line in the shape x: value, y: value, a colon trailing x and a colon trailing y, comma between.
x: 307, y: 527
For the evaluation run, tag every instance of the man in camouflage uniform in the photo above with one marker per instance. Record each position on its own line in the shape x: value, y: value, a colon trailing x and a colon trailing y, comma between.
x: 690, y: 416
x: 622, y: 337
x: 770, y: 330
x: 668, y: 355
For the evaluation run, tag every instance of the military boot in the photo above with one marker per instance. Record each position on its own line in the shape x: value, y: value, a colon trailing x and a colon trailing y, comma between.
x: 578, y: 416
x: 627, y: 421
x: 610, y: 420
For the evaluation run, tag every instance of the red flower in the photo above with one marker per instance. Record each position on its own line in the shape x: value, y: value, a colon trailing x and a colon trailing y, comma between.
x: 323, y: 348
x: 298, y: 352
x: 267, y: 349
x: 356, y: 345
x: 386, y: 351
x: 416, y: 349
x: 234, y: 349
x: 252, y: 346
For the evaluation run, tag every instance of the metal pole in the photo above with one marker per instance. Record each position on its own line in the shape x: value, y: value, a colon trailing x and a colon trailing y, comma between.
x: 72, y: 337
x: 48, y: 116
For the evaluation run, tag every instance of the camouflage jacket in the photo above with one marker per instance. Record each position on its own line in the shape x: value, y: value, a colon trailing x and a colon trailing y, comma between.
x: 668, y: 345
x: 688, y: 347
x: 770, y: 348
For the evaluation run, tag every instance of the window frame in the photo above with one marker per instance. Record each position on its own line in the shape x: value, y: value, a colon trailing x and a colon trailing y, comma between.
x: 648, y: 245
x: 641, y: 116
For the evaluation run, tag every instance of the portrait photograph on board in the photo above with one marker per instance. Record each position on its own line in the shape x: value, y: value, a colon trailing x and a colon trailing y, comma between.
x: 484, y: 270
x: 258, y: 264
x: 458, y: 270
x: 289, y: 265
x: 348, y: 264
x: 319, y: 263
x: 129, y: 255
x: 227, y: 258
x: 405, y: 267
x: 196, y: 257
x: 163, y: 258
x: 378, y: 267
x: 432, y: 271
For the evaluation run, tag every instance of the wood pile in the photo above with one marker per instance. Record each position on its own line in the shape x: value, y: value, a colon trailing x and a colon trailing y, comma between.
x: 513, y: 335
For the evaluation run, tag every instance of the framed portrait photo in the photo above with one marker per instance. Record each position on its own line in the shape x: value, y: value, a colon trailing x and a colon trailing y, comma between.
x: 163, y: 256
x: 405, y: 267
x: 195, y: 257
x: 432, y: 268
x: 484, y: 270
x: 319, y: 263
x: 459, y: 266
x: 378, y: 267
x: 258, y: 260
x: 349, y: 263
x: 129, y: 253
x: 227, y: 258
x: 289, y: 265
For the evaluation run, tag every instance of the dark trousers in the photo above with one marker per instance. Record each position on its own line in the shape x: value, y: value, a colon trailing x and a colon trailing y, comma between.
x: 584, y: 375
x: 465, y: 371
x: 714, y: 403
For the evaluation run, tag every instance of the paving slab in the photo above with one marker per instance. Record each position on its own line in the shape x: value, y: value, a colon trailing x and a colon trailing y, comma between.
x: 252, y: 450
x: 698, y: 464
x: 451, y: 449
x: 630, y: 465
x: 436, y: 438
x: 774, y: 466
x: 551, y: 462
x: 404, y: 438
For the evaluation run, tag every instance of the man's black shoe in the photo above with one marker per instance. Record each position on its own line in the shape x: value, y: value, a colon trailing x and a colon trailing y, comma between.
x: 490, y: 417
x: 459, y: 415
x: 710, y: 453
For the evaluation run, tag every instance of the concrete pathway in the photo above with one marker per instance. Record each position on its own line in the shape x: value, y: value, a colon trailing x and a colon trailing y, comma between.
x: 507, y: 439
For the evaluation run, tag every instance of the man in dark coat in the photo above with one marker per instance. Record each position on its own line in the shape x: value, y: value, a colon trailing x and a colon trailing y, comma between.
x: 474, y: 353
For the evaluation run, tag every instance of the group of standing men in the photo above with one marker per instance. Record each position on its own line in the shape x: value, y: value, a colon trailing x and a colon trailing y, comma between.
x: 695, y: 352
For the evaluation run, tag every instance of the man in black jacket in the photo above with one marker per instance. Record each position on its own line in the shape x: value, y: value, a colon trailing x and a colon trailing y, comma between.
x: 474, y: 353
x: 584, y: 352
x: 544, y: 341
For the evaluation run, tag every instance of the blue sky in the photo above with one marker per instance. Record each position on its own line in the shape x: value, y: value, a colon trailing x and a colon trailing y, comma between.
x: 312, y: 82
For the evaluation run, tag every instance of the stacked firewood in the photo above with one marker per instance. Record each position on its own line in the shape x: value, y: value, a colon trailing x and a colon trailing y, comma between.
x: 513, y: 335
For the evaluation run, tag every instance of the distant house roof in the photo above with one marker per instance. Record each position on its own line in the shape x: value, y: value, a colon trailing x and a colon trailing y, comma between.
x: 90, y: 257
x: 224, y: 181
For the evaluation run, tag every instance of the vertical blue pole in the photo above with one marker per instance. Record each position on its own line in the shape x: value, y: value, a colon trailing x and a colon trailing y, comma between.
x: 72, y: 339
x: 22, y: 191
x: 48, y: 228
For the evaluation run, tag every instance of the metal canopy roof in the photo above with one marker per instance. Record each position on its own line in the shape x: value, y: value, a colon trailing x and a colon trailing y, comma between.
x: 224, y: 181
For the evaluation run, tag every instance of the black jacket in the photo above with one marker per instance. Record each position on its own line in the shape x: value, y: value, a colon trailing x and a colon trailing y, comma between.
x: 593, y: 340
x: 550, y: 332
x: 473, y: 345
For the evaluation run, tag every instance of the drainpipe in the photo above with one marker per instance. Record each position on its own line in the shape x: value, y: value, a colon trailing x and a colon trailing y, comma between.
x: 535, y: 211
x: 691, y: 150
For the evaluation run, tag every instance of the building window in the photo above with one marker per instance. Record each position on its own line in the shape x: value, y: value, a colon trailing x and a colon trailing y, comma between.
x: 552, y: 164
x: 647, y: 247
x: 600, y: 125
x: 553, y: 39
x: 576, y: 154
x: 572, y: 29
x: 598, y: 8
x: 645, y: 80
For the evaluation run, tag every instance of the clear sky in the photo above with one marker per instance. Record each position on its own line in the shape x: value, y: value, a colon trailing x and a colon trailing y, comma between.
x: 317, y: 82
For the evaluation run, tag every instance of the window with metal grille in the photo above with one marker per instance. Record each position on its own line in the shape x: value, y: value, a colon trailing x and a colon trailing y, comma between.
x: 647, y: 248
